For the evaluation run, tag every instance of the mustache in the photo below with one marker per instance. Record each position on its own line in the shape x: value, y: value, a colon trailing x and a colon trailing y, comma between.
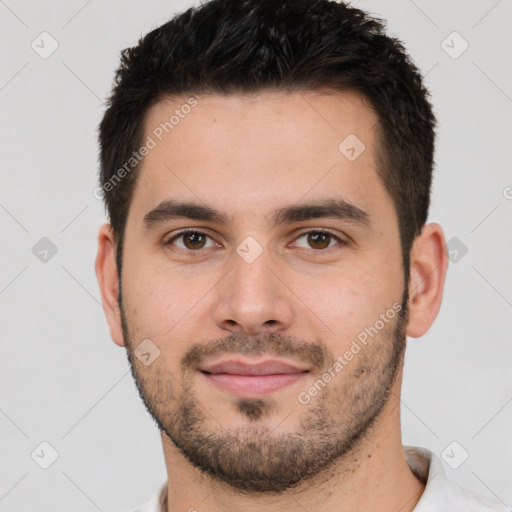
x: 316, y: 354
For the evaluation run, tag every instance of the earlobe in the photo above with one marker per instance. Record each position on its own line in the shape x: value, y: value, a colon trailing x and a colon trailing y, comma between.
x: 107, y: 275
x: 429, y: 264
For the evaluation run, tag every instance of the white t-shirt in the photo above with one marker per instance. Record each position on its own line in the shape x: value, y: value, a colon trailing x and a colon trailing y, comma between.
x: 440, y: 494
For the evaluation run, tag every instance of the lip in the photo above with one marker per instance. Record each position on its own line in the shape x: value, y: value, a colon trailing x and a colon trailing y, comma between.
x: 241, y: 367
x: 252, y: 379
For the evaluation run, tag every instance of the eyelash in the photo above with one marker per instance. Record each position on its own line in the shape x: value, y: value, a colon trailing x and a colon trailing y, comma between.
x: 192, y: 253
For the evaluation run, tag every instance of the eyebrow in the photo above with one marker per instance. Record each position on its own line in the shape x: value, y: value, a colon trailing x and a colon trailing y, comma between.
x: 326, y: 208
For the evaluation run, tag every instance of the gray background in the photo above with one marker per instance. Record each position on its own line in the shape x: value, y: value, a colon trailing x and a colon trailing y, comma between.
x: 63, y: 379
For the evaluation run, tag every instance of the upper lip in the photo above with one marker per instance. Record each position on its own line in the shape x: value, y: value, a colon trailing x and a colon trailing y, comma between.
x: 238, y: 367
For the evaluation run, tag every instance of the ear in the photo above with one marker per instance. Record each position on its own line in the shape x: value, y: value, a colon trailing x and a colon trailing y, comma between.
x: 429, y: 263
x: 106, y: 273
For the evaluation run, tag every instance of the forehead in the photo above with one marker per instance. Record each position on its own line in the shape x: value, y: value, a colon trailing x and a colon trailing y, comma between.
x: 247, y: 150
x: 317, y: 120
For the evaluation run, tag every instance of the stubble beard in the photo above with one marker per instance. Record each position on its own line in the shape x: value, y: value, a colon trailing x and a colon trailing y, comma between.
x: 258, y: 458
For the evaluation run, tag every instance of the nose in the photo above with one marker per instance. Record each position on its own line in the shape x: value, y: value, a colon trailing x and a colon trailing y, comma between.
x: 253, y: 298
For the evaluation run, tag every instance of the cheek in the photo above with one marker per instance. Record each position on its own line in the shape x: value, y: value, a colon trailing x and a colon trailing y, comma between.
x: 162, y: 299
x: 149, y: 300
x: 345, y: 305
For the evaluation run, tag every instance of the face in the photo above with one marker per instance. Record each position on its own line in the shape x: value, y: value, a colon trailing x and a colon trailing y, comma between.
x: 262, y: 274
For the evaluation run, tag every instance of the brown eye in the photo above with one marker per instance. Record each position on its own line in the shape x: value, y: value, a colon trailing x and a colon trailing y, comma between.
x: 194, y: 240
x: 319, y: 240
x: 191, y: 240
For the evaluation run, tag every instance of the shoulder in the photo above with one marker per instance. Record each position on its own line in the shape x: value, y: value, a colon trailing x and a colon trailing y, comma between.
x: 157, y: 503
x: 442, y: 494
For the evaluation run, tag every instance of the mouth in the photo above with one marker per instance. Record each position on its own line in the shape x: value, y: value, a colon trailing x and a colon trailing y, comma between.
x: 249, y: 379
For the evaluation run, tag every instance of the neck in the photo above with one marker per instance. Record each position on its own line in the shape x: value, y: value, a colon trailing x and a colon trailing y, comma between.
x: 373, y: 476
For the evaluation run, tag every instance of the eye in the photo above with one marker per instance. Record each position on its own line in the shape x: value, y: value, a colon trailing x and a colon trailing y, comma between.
x: 191, y: 240
x: 319, y: 240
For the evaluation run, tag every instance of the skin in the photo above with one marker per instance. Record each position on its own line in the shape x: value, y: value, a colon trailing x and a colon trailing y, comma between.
x: 248, y: 155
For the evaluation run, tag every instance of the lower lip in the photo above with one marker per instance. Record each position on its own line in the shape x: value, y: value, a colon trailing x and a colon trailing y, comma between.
x: 253, y: 384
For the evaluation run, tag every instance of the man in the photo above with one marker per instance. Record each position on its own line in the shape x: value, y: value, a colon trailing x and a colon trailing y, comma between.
x: 266, y: 167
